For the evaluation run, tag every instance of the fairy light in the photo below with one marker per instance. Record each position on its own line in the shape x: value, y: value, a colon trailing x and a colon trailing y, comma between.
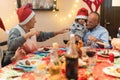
x: 54, y: 6
x: 53, y: 10
x: 72, y: 11
x: 69, y: 15
x: 56, y: 15
x: 75, y: 5
x: 77, y: 1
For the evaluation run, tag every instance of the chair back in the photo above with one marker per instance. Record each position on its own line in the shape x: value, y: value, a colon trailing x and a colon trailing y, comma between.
x: 1, y: 57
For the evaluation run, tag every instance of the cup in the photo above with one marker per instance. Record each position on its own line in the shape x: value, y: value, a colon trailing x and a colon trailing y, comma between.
x: 40, y: 70
x: 91, y: 53
x: 54, y: 68
x: 65, y: 38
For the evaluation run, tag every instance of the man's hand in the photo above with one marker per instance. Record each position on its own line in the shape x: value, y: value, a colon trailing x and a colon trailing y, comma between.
x: 92, y: 38
x: 19, y: 54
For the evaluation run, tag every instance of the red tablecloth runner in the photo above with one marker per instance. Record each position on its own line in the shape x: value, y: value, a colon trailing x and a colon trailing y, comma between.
x: 98, y: 73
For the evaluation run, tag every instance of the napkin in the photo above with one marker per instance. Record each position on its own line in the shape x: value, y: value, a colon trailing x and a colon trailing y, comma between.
x: 27, y: 69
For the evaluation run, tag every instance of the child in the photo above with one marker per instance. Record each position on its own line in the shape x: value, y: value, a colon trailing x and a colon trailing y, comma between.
x: 78, y: 27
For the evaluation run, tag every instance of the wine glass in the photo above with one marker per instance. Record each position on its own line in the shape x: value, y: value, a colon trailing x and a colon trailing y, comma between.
x: 90, y: 52
x: 92, y: 59
x: 65, y: 38
x: 65, y: 41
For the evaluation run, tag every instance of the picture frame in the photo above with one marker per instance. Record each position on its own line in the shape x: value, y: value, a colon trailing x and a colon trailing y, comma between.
x: 38, y: 4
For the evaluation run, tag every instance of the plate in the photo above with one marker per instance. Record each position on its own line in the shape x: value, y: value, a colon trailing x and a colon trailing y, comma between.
x: 103, y: 53
x: 45, y: 50
x: 27, y: 63
x: 111, y: 71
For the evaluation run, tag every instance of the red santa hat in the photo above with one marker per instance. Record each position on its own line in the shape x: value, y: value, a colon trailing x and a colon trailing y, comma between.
x: 82, y: 13
x: 2, y: 25
x: 25, y: 14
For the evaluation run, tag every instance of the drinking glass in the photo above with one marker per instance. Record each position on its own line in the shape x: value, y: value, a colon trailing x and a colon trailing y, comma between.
x: 90, y: 52
x: 65, y: 38
x: 41, y: 70
x: 92, y: 58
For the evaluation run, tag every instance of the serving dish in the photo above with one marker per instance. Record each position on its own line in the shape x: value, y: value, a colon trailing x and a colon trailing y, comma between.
x: 112, y: 71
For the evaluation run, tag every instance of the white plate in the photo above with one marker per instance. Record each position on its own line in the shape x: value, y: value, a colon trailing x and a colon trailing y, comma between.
x: 111, y: 71
x: 22, y: 63
x: 43, y: 50
x: 116, y: 53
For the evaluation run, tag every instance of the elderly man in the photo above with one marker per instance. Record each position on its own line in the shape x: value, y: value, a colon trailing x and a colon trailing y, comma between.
x: 20, y: 35
x: 97, y: 36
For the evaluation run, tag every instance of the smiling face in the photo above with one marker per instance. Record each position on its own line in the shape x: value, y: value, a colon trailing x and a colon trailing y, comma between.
x: 93, y: 21
x: 81, y: 21
x: 31, y: 23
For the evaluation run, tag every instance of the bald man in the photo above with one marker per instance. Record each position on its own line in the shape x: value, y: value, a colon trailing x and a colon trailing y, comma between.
x: 96, y: 34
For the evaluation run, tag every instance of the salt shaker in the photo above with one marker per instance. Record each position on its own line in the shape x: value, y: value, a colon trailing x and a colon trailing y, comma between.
x: 111, y: 57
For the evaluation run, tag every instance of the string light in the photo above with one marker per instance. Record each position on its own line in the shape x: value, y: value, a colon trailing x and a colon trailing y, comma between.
x: 54, y: 6
x: 56, y: 15
x: 75, y: 5
x: 77, y: 1
x: 71, y: 14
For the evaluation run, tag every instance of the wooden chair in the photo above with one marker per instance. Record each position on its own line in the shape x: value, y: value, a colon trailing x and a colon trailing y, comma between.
x: 2, y: 53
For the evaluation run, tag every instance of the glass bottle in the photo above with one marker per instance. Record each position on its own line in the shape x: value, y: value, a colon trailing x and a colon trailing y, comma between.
x: 72, y: 60
x: 54, y: 66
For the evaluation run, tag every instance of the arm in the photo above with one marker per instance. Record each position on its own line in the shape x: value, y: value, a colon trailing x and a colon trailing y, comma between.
x: 15, y: 40
x: 102, y: 40
x: 46, y: 35
x: 61, y: 31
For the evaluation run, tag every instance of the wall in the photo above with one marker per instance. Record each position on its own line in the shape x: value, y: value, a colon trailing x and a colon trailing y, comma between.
x: 46, y: 20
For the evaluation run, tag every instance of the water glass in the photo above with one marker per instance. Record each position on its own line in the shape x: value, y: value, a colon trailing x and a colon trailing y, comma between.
x: 41, y: 70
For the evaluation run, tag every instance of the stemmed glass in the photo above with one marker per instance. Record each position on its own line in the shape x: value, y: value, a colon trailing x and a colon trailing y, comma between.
x: 90, y: 52
x: 66, y: 38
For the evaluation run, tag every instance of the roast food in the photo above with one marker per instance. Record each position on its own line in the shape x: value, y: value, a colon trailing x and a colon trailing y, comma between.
x: 27, y: 62
x: 118, y: 70
x: 79, y: 44
x: 30, y: 62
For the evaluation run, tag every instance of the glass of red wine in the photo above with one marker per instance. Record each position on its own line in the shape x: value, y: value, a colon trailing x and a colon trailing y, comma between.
x: 65, y: 41
x: 91, y: 53
x: 66, y: 38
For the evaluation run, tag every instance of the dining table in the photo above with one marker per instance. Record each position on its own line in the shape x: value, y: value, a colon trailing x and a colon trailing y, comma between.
x: 15, y: 72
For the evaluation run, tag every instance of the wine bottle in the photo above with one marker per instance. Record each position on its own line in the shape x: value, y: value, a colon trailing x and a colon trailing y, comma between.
x: 72, y: 60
